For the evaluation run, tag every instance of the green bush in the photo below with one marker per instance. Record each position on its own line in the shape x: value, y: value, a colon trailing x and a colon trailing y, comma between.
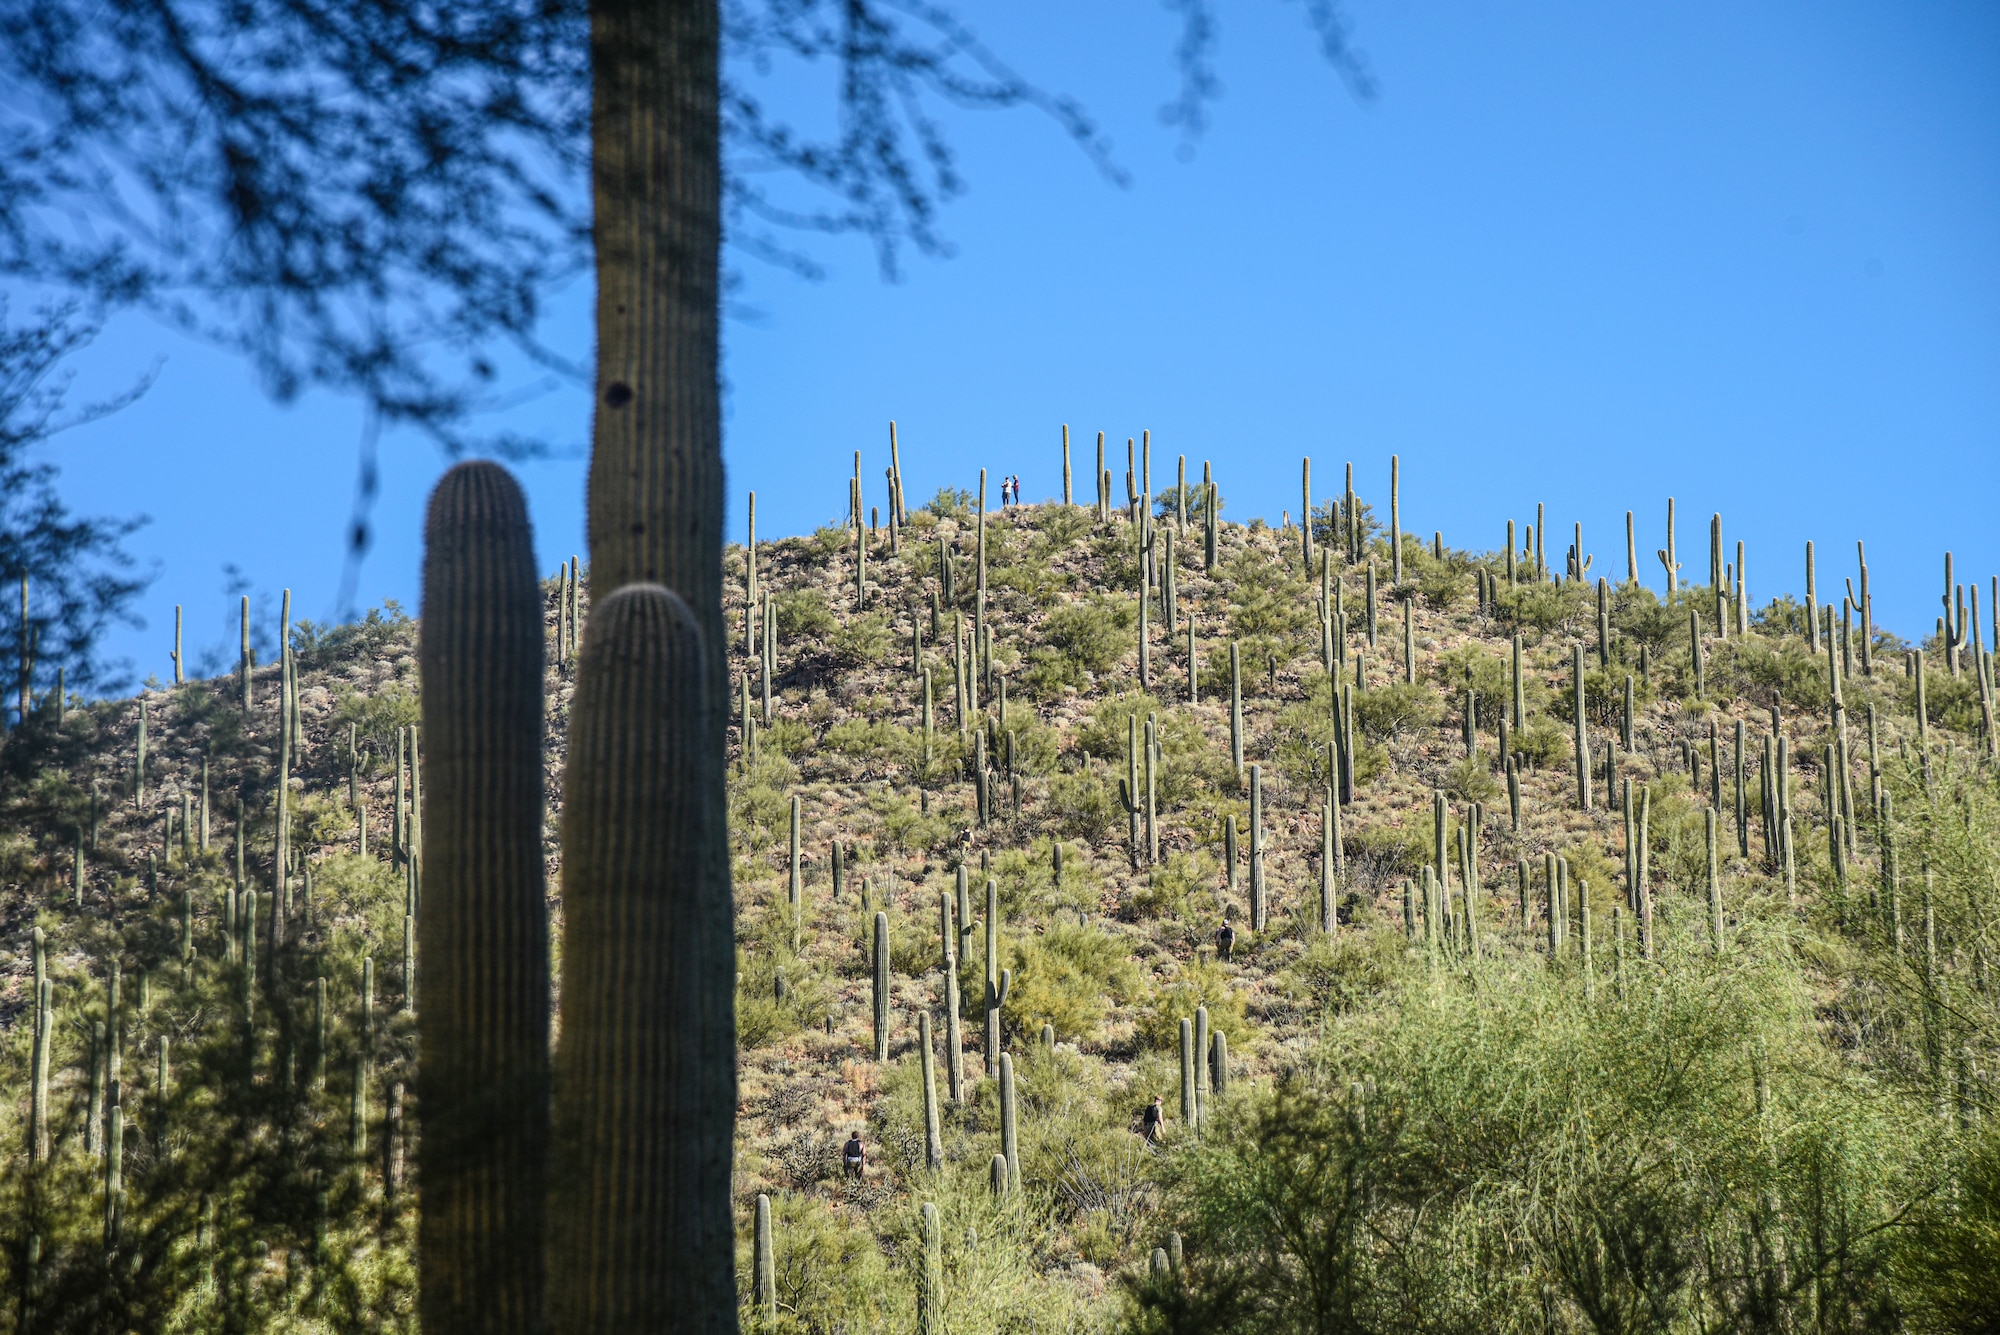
x: 1068, y: 976
x: 1545, y: 1156
x: 863, y: 641
x: 801, y: 613
x: 1085, y: 805
x: 1388, y: 711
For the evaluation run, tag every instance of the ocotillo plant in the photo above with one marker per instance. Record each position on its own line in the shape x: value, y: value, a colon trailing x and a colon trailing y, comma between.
x: 644, y: 1106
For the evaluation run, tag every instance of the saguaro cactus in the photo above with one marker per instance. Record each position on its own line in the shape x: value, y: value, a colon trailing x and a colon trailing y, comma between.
x: 1189, y: 1109
x: 933, y: 1136
x: 646, y: 1068
x: 930, y: 1283
x: 880, y: 994
x: 763, y: 1265
x: 1258, y: 908
x: 484, y: 932
x: 999, y: 981
x: 1010, y: 1123
x: 1582, y: 740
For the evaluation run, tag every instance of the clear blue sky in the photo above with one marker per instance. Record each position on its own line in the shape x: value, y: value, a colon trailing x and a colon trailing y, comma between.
x: 1587, y: 255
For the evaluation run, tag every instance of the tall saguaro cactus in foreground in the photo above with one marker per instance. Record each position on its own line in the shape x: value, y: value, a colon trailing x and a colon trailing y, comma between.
x: 483, y: 935
x: 646, y: 1102
x: 646, y: 1082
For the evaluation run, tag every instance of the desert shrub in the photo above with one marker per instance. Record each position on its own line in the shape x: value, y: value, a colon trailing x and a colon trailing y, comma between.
x: 905, y: 825
x: 760, y: 804
x: 1638, y: 614
x: 1348, y: 971
x: 1543, y: 742
x: 1199, y: 982
x: 1301, y: 735
x: 955, y: 503
x: 1268, y: 602
x: 801, y: 613
x: 1105, y: 733
x: 1949, y: 702
x: 1390, y: 710
x: 1183, y: 889
x: 1085, y: 805
x: 788, y: 737
x: 1471, y: 779
x: 315, y: 647
x: 1060, y: 525
x: 863, y: 641
x: 1083, y: 639
x: 1762, y: 666
x: 1453, y: 1123
x: 378, y: 717
x: 1489, y: 675
x: 1542, y: 607
x: 1068, y: 975
x: 1603, y: 695
x: 875, y: 740
x: 831, y: 1274
x: 828, y: 541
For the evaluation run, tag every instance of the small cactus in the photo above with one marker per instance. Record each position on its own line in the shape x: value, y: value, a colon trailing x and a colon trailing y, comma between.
x: 763, y: 1265
x: 1258, y: 908
x: 930, y: 1285
x: 880, y: 994
x: 1010, y: 1133
x: 933, y: 1136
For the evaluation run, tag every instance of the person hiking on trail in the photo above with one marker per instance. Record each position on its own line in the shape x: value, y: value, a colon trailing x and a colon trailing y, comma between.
x: 852, y: 1158
x: 1154, y: 1119
x: 1225, y: 940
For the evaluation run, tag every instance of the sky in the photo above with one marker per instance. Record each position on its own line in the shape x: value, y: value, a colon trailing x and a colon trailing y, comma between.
x: 1583, y: 255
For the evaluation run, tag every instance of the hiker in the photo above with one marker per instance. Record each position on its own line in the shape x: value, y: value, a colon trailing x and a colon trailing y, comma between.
x: 852, y: 1158
x: 1225, y: 940
x: 1155, y: 1118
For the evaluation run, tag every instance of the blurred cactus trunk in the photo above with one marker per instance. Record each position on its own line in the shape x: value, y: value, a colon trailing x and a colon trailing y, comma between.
x: 483, y: 932
x: 642, y: 1235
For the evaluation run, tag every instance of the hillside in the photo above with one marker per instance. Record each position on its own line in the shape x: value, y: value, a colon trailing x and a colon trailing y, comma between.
x: 1733, y: 974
